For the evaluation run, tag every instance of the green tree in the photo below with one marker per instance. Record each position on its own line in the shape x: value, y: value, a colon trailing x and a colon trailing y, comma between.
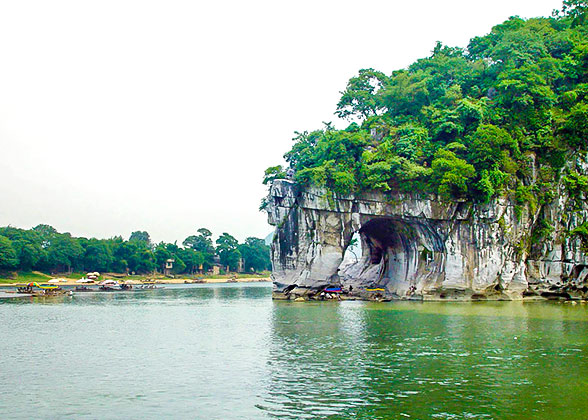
x: 192, y: 259
x: 492, y: 147
x: 141, y: 236
x: 576, y: 126
x: 98, y: 256
x: 46, y: 233
x: 161, y: 254
x: 135, y: 256
x: 407, y: 92
x: 202, y: 243
x: 452, y: 174
x: 64, y: 253
x: 526, y: 92
x: 27, y: 244
x: 577, y: 10
x: 255, y: 254
x: 228, y: 252
x: 361, y: 98
x: 8, y: 257
x: 119, y: 262
x: 272, y: 173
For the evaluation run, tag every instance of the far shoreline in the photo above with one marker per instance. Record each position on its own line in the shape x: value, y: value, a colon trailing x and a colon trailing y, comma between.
x: 64, y: 281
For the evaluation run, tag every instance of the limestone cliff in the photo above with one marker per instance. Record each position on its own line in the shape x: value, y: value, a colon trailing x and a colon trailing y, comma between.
x: 422, y: 248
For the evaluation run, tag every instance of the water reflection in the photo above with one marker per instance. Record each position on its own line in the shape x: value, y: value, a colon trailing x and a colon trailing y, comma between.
x: 426, y: 360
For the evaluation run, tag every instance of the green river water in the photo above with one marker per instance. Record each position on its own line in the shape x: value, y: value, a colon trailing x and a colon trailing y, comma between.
x: 229, y: 352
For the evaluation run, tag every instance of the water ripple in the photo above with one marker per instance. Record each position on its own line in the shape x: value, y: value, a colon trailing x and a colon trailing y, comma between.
x: 228, y: 351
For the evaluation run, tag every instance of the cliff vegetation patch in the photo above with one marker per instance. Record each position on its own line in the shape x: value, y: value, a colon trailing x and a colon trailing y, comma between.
x: 463, y: 123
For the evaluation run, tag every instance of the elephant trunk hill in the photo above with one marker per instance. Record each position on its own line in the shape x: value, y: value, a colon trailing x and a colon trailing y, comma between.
x: 462, y: 176
x: 419, y: 247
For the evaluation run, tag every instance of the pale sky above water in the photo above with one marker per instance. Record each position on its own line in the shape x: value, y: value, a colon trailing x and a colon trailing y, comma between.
x: 124, y: 115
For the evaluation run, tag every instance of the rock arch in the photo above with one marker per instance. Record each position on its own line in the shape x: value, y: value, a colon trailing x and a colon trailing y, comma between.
x: 396, y: 253
x: 414, y: 246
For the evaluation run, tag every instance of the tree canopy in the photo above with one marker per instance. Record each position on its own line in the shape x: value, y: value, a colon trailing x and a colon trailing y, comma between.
x: 228, y: 251
x: 463, y: 122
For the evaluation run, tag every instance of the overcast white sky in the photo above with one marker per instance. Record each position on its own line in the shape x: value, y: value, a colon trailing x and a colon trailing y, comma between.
x: 124, y: 115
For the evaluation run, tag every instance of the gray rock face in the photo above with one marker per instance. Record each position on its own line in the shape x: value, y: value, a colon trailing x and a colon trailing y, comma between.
x: 421, y: 248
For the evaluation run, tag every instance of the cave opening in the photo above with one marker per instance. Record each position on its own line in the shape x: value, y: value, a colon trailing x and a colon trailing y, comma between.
x: 388, y: 248
x: 385, y: 238
x: 395, y: 253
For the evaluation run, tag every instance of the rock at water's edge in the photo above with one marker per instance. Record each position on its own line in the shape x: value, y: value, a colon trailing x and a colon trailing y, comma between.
x: 421, y: 248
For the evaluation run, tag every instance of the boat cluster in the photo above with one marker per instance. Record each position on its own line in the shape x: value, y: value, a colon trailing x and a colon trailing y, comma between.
x: 113, y: 286
x: 52, y: 289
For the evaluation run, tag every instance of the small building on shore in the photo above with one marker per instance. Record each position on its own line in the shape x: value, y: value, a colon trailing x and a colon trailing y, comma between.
x: 169, y: 265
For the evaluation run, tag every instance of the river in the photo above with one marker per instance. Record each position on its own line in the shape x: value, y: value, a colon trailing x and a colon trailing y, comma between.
x: 227, y: 351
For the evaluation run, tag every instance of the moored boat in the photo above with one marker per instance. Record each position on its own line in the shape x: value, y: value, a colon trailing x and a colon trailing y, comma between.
x: 42, y: 289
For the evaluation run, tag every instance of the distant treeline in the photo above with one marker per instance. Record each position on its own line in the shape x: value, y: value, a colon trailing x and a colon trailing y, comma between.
x: 44, y: 249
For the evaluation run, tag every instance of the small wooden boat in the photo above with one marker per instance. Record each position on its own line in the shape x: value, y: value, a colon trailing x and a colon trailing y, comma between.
x: 42, y: 290
x: 109, y: 286
x: 149, y: 285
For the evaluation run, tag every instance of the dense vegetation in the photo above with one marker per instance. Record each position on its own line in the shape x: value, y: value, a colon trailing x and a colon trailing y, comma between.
x: 43, y: 248
x: 462, y: 123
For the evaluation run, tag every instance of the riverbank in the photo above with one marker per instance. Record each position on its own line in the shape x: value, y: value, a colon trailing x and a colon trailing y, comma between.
x: 71, y: 279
